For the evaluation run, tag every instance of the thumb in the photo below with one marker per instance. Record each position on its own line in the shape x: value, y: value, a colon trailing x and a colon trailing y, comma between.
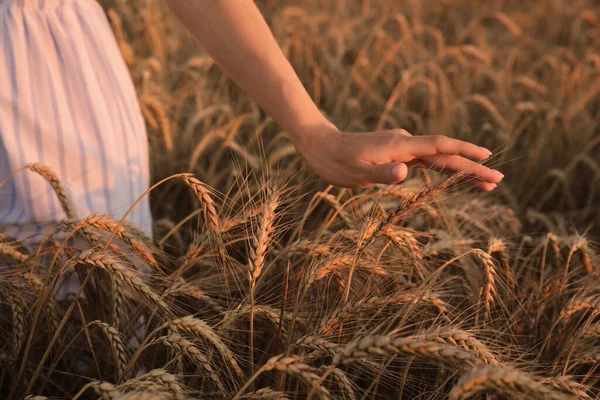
x: 388, y: 173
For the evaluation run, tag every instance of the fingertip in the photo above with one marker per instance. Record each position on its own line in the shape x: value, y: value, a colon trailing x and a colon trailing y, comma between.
x: 484, y: 186
x: 485, y: 152
x: 492, y: 176
x: 399, y: 172
x: 488, y: 187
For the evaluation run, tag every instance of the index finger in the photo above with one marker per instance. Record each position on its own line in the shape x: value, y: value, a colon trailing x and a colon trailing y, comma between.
x: 423, y: 146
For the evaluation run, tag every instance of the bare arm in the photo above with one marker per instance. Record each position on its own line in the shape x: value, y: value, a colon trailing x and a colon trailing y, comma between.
x: 236, y: 35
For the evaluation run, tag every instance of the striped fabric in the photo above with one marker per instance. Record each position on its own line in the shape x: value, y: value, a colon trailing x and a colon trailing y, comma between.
x: 67, y: 101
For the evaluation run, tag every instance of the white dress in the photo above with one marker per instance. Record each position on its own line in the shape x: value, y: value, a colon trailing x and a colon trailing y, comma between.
x: 67, y: 101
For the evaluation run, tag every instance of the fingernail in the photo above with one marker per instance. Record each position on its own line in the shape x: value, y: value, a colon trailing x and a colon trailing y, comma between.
x: 498, y: 172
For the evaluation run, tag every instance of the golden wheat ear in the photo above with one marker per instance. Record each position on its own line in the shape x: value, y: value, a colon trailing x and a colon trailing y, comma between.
x: 503, y: 380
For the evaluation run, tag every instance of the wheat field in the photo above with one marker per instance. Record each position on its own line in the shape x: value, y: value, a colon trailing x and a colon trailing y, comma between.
x: 263, y: 282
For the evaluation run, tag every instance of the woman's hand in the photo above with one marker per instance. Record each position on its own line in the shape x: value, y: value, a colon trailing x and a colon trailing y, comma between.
x: 360, y: 160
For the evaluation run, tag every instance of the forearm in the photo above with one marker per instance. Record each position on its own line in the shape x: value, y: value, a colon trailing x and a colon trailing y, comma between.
x: 236, y: 35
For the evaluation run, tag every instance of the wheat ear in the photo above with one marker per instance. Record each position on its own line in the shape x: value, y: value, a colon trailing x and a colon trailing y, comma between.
x: 580, y: 246
x: 263, y: 235
x: 405, y: 207
x: 184, y: 288
x: 385, y: 345
x: 567, y: 385
x: 201, y: 329
x: 488, y: 290
x: 291, y: 365
x: 146, y: 396
x: 184, y: 346
x: 461, y: 338
x: 7, y: 249
x: 116, y: 344
x: 203, y: 194
x: 157, y: 380
x: 503, y: 380
x: 497, y: 249
x: 106, y: 390
x: 126, y: 275
x: 128, y: 234
x: 265, y: 394
x: 50, y: 176
x: 577, y: 304
x: 19, y: 314
x: 341, y: 380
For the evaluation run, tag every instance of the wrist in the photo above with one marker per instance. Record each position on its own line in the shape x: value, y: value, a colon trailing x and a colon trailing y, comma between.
x: 306, y: 135
x: 307, y: 126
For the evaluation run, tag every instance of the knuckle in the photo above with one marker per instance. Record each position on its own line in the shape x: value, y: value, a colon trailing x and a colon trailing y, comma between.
x: 440, y: 142
x: 396, y: 136
x: 438, y: 139
x: 400, y: 134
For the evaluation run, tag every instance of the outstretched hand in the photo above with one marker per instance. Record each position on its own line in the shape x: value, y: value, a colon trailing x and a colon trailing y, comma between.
x: 360, y: 160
